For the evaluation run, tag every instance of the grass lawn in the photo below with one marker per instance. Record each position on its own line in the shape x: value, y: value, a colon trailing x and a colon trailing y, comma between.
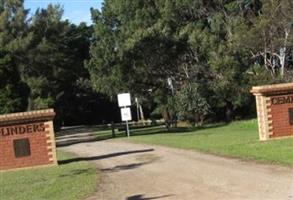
x: 238, y: 139
x: 71, y: 181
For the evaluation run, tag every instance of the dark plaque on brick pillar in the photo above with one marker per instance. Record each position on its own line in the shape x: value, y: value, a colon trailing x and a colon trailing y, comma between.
x: 22, y: 147
x: 291, y: 116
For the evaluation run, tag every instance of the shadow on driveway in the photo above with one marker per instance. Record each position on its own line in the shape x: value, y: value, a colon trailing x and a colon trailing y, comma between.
x: 124, y: 167
x: 78, y: 159
x: 141, y: 197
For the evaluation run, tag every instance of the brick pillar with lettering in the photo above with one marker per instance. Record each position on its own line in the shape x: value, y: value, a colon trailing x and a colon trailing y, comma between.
x: 282, y: 115
x: 27, y: 140
x: 274, y: 110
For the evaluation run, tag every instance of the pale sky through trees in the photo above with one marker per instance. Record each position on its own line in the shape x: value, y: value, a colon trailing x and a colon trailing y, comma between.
x: 75, y: 10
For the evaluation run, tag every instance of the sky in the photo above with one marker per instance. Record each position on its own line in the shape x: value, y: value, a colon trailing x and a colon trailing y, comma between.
x: 75, y: 10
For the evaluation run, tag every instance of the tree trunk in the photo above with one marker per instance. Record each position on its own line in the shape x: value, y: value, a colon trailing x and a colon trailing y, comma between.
x: 30, y: 103
x: 283, y: 54
x: 166, y: 116
x: 229, y: 111
x: 201, y: 120
x: 141, y: 113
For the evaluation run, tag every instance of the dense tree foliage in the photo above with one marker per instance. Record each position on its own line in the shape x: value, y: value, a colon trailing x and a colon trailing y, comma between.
x: 42, y: 65
x: 13, y: 29
x: 191, y: 57
x: 191, y: 60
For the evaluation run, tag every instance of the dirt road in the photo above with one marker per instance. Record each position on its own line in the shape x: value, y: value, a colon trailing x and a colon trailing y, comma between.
x: 143, y: 172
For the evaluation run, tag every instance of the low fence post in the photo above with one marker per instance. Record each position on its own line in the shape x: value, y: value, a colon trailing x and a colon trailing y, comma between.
x: 113, y: 129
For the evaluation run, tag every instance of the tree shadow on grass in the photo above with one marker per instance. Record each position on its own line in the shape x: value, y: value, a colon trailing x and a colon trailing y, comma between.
x: 81, y: 129
x: 79, y: 159
x: 163, y: 130
x: 150, y: 131
x: 141, y: 197
x: 196, y: 128
x: 94, y: 136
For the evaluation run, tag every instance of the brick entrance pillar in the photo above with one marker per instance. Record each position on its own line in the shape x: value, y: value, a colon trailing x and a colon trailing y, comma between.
x: 27, y: 140
x: 274, y: 110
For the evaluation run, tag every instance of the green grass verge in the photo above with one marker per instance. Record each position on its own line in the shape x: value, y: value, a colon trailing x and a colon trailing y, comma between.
x: 238, y: 139
x: 70, y: 181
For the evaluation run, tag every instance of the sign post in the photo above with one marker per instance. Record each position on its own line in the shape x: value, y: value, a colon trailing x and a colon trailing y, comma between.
x: 126, y: 116
x: 124, y: 102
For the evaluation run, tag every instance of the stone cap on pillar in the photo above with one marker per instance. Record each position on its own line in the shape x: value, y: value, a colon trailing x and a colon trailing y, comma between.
x: 276, y: 89
x: 27, y: 117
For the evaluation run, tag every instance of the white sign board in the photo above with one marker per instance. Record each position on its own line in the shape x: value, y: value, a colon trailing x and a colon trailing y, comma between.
x: 124, y: 100
x: 126, y: 114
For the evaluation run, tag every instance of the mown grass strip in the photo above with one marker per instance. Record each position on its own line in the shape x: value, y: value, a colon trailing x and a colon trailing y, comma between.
x: 238, y: 139
x: 72, y: 181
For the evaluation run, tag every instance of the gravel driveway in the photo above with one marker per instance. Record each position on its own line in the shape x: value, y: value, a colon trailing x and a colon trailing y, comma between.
x: 144, y: 172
